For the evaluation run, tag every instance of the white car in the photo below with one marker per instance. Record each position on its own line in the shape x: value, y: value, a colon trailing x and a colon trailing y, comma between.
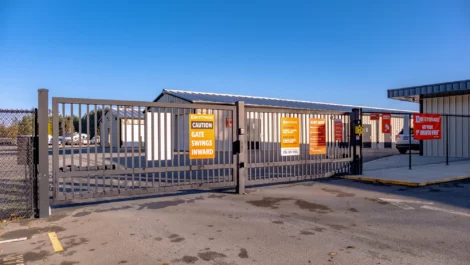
x: 95, y: 140
x: 71, y: 138
x: 402, y: 140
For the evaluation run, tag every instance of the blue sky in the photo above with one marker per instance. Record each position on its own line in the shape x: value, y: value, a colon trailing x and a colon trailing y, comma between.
x: 329, y: 51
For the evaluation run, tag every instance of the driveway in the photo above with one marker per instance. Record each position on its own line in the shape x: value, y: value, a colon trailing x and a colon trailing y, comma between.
x: 323, y: 222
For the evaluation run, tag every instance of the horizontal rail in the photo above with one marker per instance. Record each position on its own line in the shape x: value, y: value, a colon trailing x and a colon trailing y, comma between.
x: 142, y: 191
x: 297, y: 162
x: 115, y: 172
x: 288, y: 179
x: 57, y: 100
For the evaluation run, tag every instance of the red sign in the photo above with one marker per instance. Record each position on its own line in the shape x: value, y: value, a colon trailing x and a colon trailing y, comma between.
x: 228, y: 123
x: 338, y: 130
x: 374, y: 116
x: 386, y: 123
x: 427, y: 126
x: 317, y: 136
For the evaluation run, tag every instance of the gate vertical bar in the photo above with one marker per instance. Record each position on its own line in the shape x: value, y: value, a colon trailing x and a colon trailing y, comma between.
x: 447, y: 140
x: 410, y: 134
x: 240, y: 138
x: 43, y: 154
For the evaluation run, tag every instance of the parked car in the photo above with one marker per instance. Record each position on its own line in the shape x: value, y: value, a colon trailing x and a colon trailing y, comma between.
x: 71, y: 138
x: 51, y: 140
x: 403, y: 142
x: 84, y: 138
x: 95, y: 140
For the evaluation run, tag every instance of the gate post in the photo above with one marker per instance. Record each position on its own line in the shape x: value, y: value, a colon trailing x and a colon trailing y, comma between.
x: 356, y: 141
x: 43, y: 153
x: 240, y: 147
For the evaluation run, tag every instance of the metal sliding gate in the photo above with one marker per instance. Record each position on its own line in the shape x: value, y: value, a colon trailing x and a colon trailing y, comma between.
x: 104, y: 148
x: 109, y: 147
x: 268, y: 163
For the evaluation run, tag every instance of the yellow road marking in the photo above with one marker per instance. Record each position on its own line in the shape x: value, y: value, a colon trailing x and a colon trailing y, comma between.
x: 55, y: 242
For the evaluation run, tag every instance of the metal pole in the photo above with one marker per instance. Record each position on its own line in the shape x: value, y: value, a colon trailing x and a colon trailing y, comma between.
x: 360, y: 143
x: 409, y: 141
x: 239, y: 129
x: 43, y: 153
x: 447, y: 140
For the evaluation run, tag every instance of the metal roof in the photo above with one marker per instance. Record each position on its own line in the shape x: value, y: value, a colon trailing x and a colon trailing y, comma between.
x: 205, y: 97
x: 415, y: 93
x: 128, y: 113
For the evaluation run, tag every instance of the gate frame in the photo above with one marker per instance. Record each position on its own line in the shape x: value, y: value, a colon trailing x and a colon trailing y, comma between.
x: 298, y: 111
x: 105, y: 102
x: 43, y: 154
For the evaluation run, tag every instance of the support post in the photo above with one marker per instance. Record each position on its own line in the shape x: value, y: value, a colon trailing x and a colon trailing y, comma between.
x: 447, y: 140
x: 410, y: 134
x: 241, y: 146
x: 356, y: 141
x: 421, y: 143
x: 43, y: 153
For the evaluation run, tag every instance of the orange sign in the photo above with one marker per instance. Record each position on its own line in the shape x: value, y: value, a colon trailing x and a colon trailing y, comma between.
x: 317, y: 136
x: 201, y: 136
x: 427, y: 126
x: 338, y: 130
x: 386, y: 123
x: 290, y: 144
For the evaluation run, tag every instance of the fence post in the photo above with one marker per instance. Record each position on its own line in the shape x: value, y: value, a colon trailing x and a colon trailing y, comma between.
x: 409, y: 140
x: 447, y: 140
x: 43, y: 153
x: 356, y: 140
x: 241, y: 146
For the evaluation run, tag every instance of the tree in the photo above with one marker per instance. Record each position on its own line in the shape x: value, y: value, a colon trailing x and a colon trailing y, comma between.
x: 26, y: 125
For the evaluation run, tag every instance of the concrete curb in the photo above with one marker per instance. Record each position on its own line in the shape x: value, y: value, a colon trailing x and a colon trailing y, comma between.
x: 403, y: 183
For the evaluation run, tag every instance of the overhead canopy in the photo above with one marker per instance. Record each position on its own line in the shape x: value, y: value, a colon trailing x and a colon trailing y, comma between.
x: 415, y: 93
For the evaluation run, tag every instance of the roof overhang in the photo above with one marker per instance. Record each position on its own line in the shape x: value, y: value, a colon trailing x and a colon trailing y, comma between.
x: 414, y: 94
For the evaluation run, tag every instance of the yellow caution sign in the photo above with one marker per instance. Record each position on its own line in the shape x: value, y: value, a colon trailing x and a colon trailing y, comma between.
x: 358, y: 129
x: 201, y: 136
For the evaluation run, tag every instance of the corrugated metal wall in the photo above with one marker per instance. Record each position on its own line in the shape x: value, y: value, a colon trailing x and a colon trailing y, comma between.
x: 377, y: 138
x: 459, y: 136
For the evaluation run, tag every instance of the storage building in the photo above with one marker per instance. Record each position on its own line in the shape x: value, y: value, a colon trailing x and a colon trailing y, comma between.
x: 452, y: 99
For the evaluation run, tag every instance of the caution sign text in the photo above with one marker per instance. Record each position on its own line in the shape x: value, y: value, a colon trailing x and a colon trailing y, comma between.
x: 317, y: 136
x: 201, y: 136
x: 290, y: 144
x: 427, y: 126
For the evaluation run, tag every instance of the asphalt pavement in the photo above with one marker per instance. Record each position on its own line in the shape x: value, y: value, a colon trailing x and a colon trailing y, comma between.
x: 331, y: 221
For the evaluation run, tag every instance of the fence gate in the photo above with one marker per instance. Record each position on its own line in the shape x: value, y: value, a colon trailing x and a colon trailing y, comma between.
x: 288, y: 145
x: 18, y: 175
x: 108, y: 147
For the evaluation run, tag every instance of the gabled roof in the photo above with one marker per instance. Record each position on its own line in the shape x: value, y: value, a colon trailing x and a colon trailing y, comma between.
x: 415, y: 93
x: 205, y: 97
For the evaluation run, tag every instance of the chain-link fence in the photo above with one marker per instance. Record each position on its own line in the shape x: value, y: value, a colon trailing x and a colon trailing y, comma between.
x: 17, y: 163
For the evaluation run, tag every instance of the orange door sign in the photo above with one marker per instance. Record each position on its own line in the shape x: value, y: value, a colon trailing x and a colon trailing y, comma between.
x: 386, y: 123
x: 290, y: 144
x: 317, y: 136
x: 201, y: 136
